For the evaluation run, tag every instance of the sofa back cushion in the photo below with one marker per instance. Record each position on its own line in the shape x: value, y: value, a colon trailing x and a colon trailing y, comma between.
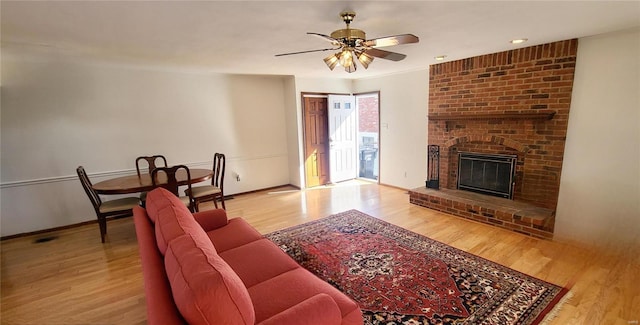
x: 157, y: 200
x: 172, y: 218
x: 173, y: 222
x: 205, y: 288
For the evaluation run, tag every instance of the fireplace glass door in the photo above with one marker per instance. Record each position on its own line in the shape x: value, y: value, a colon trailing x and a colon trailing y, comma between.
x: 486, y: 174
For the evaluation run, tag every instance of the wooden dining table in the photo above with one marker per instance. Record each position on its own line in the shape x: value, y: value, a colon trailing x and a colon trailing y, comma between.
x: 134, y: 183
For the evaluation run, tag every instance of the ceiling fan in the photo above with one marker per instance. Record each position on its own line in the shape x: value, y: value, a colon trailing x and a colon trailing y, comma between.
x: 352, y: 44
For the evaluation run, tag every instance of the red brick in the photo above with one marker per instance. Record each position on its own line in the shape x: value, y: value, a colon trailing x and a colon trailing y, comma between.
x: 495, y: 94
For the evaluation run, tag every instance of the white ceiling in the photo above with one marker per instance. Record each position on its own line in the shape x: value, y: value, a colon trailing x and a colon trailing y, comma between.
x: 242, y: 37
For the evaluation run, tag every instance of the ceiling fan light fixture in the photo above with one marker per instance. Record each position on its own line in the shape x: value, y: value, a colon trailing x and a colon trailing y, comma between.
x: 331, y: 61
x: 350, y: 68
x: 346, y: 58
x: 365, y: 59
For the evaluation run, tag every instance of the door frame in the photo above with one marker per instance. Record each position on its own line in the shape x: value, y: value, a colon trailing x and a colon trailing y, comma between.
x: 303, y: 129
x: 377, y: 93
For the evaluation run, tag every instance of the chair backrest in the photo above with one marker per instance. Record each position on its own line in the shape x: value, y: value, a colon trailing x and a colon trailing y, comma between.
x: 172, y: 181
x: 219, y: 162
x: 151, y: 162
x: 88, y: 188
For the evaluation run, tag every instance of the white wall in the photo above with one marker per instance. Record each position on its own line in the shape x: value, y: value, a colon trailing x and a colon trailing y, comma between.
x: 599, y: 200
x: 403, y: 126
x: 292, y: 121
x: 59, y: 112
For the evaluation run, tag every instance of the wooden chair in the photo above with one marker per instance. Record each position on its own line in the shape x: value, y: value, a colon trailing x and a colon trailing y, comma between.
x: 172, y: 182
x: 113, y: 208
x: 216, y: 189
x: 151, y: 163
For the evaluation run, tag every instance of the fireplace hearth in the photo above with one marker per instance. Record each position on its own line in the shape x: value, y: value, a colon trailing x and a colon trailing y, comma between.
x: 487, y: 173
x: 513, y: 215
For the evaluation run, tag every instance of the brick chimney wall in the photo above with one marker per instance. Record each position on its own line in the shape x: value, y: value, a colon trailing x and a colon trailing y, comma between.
x: 513, y: 102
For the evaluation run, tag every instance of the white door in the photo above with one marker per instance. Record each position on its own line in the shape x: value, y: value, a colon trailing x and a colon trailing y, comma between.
x: 342, y: 137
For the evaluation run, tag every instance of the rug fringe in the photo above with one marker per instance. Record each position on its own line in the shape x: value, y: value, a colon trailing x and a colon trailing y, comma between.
x: 550, y: 316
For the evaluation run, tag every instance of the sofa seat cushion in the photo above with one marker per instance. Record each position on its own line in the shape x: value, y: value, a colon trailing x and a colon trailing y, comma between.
x: 236, y: 233
x: 204, y: 287
x: 281, y: 292
x: 258, y: 261
x: 317, y: 310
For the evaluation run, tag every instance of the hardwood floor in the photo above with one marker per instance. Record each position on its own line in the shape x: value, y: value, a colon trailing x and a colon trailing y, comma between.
x: 74, y: 279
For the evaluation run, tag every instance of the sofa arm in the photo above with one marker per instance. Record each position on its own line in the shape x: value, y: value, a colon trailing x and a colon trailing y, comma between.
x: 320, y: 309
x: 211, y: 219
x: 161, y: 310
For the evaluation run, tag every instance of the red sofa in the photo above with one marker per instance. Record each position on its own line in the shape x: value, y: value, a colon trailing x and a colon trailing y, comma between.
x: 203, y: 268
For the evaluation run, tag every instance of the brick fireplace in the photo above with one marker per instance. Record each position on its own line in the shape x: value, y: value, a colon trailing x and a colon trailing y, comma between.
x: 512, y: 103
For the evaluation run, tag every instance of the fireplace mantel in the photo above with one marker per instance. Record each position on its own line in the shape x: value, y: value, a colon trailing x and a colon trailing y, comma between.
x: 507, y: 115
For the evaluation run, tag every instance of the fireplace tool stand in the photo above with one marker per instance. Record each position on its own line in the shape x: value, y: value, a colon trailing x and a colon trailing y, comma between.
x: 433, y: 166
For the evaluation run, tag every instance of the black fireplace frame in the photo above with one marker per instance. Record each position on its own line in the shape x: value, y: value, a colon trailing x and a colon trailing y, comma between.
x: 504, y: 160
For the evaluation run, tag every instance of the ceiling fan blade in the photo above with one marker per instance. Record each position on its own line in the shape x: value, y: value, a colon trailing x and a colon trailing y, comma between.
x: 393, y: 56
x: 325, y: 37
x: 310, y: 51
x: 392, y: 40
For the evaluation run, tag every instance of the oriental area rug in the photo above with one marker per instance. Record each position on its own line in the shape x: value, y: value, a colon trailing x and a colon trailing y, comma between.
x: 400, y: 277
